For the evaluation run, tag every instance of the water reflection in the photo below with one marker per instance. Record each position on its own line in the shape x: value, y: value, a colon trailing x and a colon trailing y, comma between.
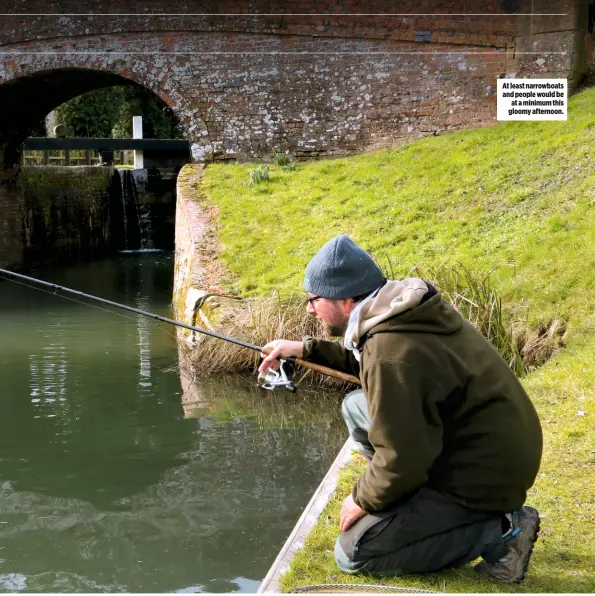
x: 105, y: 486
x: 233, y: 399
x: 48, y: 374
x: 144, y: 325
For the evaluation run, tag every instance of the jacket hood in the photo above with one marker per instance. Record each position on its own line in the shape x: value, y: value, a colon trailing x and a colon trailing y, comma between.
x: 400, y: 306
x: 433, y: 316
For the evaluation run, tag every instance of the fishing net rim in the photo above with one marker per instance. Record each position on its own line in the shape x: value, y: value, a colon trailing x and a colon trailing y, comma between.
x: 361, y: 588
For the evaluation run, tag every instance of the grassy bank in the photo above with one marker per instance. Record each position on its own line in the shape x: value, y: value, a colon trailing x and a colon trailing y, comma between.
x: 518, y: 199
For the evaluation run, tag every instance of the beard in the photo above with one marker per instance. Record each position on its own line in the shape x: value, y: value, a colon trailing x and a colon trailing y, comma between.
x: 335, y: 329
x: 334, y: 319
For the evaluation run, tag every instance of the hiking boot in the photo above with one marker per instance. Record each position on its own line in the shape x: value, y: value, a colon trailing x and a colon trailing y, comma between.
x: 511, y: 569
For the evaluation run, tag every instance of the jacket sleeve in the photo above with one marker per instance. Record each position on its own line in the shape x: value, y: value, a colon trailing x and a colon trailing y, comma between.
x: 332, y: 354
x: 405, y: 438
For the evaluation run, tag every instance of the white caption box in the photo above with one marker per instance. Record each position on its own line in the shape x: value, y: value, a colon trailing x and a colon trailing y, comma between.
x: 532, y: 99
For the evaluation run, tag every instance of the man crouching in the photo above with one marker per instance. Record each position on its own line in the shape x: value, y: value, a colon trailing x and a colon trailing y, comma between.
x: 452, y: 439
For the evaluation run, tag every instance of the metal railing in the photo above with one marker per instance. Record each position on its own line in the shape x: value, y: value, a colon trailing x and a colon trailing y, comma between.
x: 68, y: 157
x: 74, y: 151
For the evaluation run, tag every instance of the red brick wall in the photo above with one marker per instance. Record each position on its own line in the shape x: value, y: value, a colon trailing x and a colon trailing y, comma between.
x: 246, y: 86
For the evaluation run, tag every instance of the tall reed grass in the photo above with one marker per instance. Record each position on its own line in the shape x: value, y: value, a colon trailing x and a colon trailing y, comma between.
x: 478, y: 301
x: 259, y: 320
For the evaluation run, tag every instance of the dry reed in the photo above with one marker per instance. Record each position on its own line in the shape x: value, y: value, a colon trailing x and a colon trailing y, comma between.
x: 259, y: 320
x: 474, y: 297
x: 256, y: 321
x: 538, y: 347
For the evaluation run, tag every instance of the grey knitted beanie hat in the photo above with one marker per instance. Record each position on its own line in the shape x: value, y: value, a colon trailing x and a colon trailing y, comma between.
x: 341, y: 269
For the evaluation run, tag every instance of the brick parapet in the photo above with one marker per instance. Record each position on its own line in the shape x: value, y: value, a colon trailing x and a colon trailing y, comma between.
x: 380, y: 19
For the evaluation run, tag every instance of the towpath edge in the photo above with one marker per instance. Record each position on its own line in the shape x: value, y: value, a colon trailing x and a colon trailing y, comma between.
x: 307, y: 521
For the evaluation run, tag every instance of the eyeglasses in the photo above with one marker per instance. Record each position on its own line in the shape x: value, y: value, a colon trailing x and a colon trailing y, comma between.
x: 312, y: 301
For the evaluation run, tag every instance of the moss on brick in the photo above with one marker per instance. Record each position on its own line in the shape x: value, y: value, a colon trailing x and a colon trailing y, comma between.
x: 65, y: 211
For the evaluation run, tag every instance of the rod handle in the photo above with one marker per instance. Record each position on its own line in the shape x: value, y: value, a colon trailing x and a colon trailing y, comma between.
x: 331, y: 372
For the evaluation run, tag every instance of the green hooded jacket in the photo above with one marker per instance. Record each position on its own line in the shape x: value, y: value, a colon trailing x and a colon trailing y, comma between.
x: 446, y: 411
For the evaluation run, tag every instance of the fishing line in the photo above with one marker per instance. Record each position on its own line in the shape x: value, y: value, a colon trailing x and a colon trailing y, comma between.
x: 151, y: 315
x: 273, y: 379
x: 112, y: 312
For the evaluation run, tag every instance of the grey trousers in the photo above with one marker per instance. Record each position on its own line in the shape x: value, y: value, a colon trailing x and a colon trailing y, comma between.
x: 425, y: 532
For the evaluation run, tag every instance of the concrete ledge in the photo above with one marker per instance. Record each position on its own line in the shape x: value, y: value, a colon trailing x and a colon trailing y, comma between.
x: 307, y: 521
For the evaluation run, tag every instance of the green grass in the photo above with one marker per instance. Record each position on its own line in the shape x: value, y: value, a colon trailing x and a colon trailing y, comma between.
x: 519, y: 199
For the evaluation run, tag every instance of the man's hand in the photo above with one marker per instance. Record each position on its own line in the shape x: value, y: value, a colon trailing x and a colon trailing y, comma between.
x: 350, y: 513
x: 279, y: 348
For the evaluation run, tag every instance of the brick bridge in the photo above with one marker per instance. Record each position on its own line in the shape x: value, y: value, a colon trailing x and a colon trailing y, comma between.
x: 340, y: 77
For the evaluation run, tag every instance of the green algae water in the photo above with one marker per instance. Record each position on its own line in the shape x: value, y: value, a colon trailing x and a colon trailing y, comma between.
x: 105, y: 486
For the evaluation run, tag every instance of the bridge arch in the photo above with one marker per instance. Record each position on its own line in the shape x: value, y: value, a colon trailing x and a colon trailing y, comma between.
x: 28, y: 92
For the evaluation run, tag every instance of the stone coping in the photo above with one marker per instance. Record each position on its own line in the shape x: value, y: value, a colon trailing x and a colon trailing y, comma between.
x: 307, y: 521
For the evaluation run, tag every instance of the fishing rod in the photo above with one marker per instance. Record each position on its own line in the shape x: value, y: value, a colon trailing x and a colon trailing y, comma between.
x: 273, y: 379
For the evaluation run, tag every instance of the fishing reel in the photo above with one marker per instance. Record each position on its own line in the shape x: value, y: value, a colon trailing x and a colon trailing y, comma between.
x: 279, y: 379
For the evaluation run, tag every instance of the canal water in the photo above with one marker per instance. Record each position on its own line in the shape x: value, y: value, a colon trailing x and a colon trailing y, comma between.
x: 105, y: 486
